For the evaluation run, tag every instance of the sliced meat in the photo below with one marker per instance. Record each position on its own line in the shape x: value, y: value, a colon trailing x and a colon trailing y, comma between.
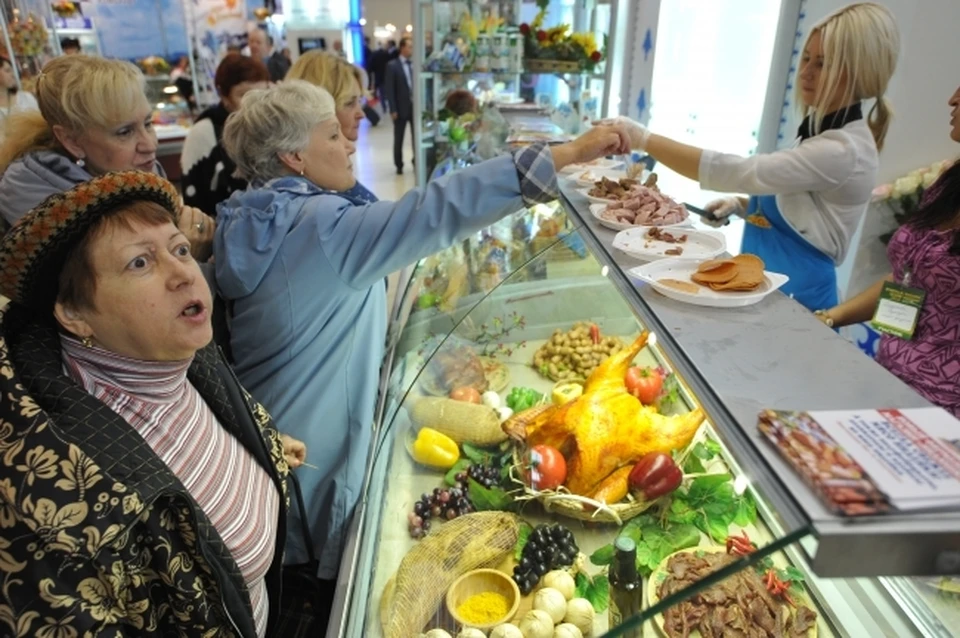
x: 804, y: 621
x: 737, y: 607
x: 761, y: 616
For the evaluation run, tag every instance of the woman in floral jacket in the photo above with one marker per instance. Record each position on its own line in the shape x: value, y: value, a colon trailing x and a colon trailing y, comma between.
x: 141, y: 489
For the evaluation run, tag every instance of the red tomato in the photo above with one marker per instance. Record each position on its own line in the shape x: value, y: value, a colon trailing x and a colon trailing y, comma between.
x: 466, y: 393
x: 547, y: 469
x: 644, y: 383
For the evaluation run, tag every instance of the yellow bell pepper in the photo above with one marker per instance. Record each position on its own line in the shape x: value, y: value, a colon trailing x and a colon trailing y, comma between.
x: 435, y: 449
x: 566, y: 392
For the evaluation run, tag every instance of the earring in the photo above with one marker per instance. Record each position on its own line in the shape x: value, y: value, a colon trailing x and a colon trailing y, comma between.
x: 301, y: 172
x: 80, y: 162
x: 87, y: 342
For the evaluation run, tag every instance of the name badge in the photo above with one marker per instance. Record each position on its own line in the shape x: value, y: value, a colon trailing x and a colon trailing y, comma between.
x: 898, y: 310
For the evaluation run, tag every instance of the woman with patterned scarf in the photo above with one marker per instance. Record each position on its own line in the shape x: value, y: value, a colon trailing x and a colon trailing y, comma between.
x: 142, y: 490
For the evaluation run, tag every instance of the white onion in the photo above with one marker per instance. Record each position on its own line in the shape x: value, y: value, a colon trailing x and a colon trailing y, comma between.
x: 551, y: 601
x: 491, y: 399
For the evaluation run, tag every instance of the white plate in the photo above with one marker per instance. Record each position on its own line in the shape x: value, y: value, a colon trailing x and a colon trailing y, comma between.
x: 700, y: 244
x: 596, y: 200
x: 679, y: 268
x: 596, y: 209
x: 602, y: 164
x: 597, y: 173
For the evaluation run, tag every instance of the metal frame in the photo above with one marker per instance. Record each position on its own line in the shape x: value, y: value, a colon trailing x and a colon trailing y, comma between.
x: 8, y: 46
x: 778, y: 80
x: 891, y: 545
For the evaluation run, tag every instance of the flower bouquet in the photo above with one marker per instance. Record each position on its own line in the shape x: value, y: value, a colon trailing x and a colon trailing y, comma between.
x: 905, y: 194
x: 153, y: 65
x: 28, y: 38
x: 557, y: 50
x: 64, y: 8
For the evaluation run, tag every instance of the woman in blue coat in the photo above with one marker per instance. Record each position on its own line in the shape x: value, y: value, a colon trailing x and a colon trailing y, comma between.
x: 303, y: 263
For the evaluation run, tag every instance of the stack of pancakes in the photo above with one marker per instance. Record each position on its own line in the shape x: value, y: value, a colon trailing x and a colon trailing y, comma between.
x: 742, y: 273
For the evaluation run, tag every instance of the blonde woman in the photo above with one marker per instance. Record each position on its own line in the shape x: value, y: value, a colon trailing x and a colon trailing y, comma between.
x: 805, y: 202
x: 344, y: 82
x: 94, y: 118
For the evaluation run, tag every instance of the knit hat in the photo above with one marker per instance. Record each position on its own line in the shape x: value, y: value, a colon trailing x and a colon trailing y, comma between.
x: 33, y: 251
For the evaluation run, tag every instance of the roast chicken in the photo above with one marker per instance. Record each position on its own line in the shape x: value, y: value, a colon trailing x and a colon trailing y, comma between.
x: 605, y: 431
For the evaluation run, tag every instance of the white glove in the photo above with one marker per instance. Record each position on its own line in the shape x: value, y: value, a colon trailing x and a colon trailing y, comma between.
x: 639, y: 134
x: 722, y: 209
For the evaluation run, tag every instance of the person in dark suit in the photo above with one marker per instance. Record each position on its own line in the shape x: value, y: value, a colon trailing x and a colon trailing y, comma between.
x: 368, y: 62
x: 261, y: 48
x: 378, y: 64
x: 398, y: 91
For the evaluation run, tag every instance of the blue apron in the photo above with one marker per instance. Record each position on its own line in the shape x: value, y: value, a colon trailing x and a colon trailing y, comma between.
x: 813, y: 277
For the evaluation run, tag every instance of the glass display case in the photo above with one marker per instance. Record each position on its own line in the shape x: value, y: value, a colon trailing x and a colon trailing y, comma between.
x: 519, y: 344
x: 471, y: 62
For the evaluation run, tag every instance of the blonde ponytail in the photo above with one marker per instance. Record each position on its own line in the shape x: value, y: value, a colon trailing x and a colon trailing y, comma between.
x: 861, y: 42
x: 879, y: 120
x: 26, y: 132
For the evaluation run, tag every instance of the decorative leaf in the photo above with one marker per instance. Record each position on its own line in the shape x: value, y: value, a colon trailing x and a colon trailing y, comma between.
x: 582, y: 582
x: 460, y: 466
x: 488, y: 499
x: 657, y: 543
x: 632, y: 530
x: 603, y: 556
x: 681, y: 513
x: 716, y: 529
x: 525, y: 530
x: 477, y: 454
x: 521, y: 399
x: 746, y: 510
x: 715, y: 504
x: 599, y: 594
x: 596, y: 590
x: 791, y: 574
x: 693, y: 465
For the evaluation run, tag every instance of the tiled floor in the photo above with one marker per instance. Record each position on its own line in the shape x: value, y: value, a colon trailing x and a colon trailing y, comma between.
x: 374, y: 161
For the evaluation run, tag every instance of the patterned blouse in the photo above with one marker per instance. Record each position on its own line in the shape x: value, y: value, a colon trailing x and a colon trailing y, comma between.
x: 930, y: 362
x: 236, y: 494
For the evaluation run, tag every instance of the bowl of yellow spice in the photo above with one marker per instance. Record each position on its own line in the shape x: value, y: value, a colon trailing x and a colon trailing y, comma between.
x: 483, y: 598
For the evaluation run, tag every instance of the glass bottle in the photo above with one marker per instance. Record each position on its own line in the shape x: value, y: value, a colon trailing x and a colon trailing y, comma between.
x: 626, y: 586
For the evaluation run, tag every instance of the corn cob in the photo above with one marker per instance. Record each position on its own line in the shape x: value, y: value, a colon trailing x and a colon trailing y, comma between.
x: 461, y: 421
x: 472, y: 541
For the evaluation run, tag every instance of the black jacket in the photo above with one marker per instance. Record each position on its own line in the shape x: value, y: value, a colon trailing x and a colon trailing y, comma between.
x: 278, y: 65
x: 396, y: 91
x: 378, y: 65
x: 100, y: 534
x: 207, y: 169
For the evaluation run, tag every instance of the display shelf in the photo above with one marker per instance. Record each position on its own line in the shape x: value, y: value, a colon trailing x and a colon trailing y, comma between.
x: 845, y: 548
x: 730, y: 363
x: 431, y: 86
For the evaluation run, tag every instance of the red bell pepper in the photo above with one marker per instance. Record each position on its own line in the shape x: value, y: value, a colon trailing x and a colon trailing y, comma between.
x: 655, y: 475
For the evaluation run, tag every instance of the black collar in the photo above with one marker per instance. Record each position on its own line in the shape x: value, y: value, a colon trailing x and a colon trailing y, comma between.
x: 837, y: 119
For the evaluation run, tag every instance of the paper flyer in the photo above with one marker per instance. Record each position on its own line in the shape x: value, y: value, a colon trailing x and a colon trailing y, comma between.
x: 867, y: 461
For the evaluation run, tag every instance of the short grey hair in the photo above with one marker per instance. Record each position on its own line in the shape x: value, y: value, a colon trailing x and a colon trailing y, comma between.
x: 274, y: 121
